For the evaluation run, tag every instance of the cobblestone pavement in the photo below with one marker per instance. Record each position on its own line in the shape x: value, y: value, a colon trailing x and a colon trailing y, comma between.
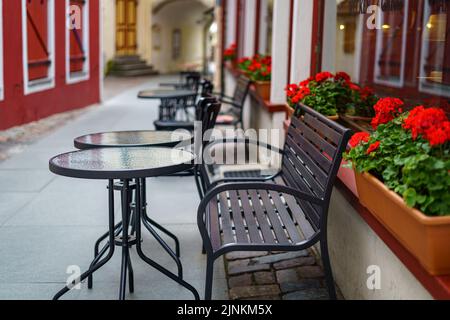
x: 281, y: 276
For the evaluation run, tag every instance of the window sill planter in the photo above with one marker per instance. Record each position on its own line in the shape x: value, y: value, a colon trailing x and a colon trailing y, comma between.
x: 263, y: 89
x: 425, y: 237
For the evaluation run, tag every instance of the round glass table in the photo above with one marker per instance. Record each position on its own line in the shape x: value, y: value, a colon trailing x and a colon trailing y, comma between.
x: 129, y: 165
x: 172, y: 102
x: 161, y: 94
x: 128, y: 139
x: 132, y: 139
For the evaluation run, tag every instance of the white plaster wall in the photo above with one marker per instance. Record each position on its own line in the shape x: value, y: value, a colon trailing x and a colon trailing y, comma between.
x: 230, y: 32
x: 301, y: 40
x: 184, y: 16
x: 109, y: 30
x: 144, y: 32
x: 354, y: 247
x: 280, y: 50
x: 250, y: 28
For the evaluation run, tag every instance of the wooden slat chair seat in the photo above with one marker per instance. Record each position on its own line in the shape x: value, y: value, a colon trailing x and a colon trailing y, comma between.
x: 257, y: 218
x: 287, y: 212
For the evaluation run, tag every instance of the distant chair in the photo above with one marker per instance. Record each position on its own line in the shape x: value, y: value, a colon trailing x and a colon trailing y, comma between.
x: 206, y: 89
x: 233, y: 116
x: 189, y: 80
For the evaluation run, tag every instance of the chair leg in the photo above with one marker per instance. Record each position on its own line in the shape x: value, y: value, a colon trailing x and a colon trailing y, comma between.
x: 209, y: 278
x: 328, y: 271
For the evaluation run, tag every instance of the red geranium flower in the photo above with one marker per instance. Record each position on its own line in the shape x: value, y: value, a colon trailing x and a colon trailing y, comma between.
x: 432, y: 124
x: 322, y: 76
x: 373, y: 147
x: 354, y: 86
x: 359, y: 138
x: 343, y: 76
x: 386, y: 110
x: 367, y: 92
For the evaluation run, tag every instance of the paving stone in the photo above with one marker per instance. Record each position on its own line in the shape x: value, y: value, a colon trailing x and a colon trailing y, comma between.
x: 273, y: 258
x: 312, y: 294
x: 245, y: 266
x: 254, y: 292
x: 245, y: 255
x: 264, y: 278
x: 310, y: 272
x: 298, y: 262
x: 302, y: 284
x: 289, y: 275
x: 240, y: 281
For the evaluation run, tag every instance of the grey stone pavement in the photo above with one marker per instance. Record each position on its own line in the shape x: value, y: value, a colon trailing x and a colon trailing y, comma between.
x: 48, y: 222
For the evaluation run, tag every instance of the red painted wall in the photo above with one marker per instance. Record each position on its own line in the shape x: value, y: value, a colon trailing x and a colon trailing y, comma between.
x: 16, y: 108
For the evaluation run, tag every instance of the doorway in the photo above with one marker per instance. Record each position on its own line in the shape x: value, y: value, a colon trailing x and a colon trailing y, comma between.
x: 126, y: 27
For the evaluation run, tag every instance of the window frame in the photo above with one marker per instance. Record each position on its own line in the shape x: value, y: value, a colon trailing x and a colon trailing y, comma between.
x: 34, y: 86
x: 75, y: 77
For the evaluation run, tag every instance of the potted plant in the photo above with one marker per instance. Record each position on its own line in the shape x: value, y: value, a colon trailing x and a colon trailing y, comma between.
x: 333, y: 95
x: 402, y: 176
x: 259, y: 70
x: 229, y: 55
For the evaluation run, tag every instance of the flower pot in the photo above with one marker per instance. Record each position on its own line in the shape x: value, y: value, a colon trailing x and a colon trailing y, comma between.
x: 263, y: 89
x: 334, y: 118
x: 427, y: 238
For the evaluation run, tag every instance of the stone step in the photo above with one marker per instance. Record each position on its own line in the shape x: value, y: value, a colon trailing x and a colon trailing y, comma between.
x: 131, y: 58
x: 131, y: 66
x: 148, y: 71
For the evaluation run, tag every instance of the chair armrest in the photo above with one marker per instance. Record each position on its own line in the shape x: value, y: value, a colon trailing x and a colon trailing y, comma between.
x: 246, y: 141
x: 229, y: 102
x: 250, y: 179
x: 223, y: 96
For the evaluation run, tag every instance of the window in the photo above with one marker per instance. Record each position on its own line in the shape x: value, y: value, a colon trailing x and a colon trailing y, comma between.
x: 77, y: 41
x: 435, y: 60
x: 38, y: 27
x: 265, y: 27
x: 403, y: 50
x: 391, y: 46
x: 2, y: 90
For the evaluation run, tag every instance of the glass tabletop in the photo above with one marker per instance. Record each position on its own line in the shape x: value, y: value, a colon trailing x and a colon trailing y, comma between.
x: 132, y: 139
x: 165, y: 94
x: 121, y: 163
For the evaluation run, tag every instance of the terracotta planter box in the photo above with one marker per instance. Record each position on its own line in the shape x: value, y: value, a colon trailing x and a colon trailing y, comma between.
x: 263, y: 89
x: 427, y: 238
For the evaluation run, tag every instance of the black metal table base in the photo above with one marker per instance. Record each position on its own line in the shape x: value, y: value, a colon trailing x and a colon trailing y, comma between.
x: 133, y: 222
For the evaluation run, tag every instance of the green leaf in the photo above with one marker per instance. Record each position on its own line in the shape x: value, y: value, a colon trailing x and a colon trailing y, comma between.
x: 410, y: 197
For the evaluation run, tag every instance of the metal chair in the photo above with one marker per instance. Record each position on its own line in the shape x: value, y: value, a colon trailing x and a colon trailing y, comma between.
x: 206, y: 88
x: 233, y: 116
x: 285, y: 212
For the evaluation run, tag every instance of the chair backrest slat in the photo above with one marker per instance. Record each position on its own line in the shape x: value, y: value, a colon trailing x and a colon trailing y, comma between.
x: 312, y: 157
x: 241, y: 91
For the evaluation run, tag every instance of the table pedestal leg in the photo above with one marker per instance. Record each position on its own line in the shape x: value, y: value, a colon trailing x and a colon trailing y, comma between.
x: 147, y: 259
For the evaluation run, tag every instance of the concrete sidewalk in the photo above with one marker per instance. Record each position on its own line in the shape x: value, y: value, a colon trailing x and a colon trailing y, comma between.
x: 48, y: 223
